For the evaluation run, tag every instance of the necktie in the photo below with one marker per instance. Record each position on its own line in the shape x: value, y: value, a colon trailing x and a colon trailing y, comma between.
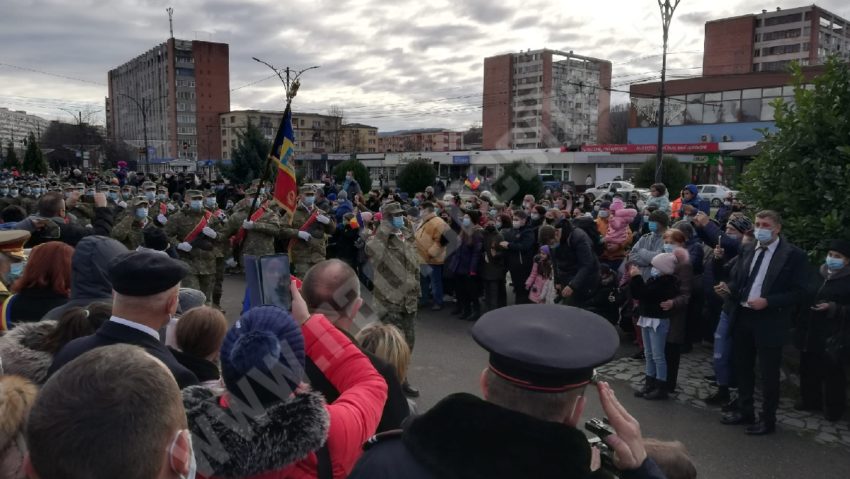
x: 745, y: 292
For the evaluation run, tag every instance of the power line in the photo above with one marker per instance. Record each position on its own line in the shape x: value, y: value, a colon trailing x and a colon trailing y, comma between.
x: 57, y: 75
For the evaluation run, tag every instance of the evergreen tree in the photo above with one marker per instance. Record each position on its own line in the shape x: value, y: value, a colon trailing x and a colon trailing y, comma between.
x: 517, y: 180
x: 416, y: 176
x: 33, y: 158
x: 11, y: 157
x: 673, y: 175
x: 249, y: 159
x: 802, y: 170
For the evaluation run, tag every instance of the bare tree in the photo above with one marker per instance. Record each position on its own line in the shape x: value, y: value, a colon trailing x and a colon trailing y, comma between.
x: 336, y: 133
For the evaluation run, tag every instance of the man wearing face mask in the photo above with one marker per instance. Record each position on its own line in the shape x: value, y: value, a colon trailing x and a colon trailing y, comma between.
x: 193, y: 232
x: 221, y: 244
x: 650, y: 244
x: 130, y: 230
x: 395, y: 261
x: 350, y: 185
x: 253, y: 235
x: 768, y: 282
x: 12, y: 259
x: 307, y: 233
x: 145, y: 289
x: 519, y: 246
x: 129, y: 389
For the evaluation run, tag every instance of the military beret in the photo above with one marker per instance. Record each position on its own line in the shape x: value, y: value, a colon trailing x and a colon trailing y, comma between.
x: 140, y: 273
x: 548, y: 348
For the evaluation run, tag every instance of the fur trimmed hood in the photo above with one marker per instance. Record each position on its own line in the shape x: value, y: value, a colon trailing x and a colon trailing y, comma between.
x: 465, y: 436
x: 19, y: 349
x: 230, y: 444
x: 17, y: 395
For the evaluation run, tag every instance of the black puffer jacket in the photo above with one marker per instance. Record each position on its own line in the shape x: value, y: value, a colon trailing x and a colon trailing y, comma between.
x: 576, y: 265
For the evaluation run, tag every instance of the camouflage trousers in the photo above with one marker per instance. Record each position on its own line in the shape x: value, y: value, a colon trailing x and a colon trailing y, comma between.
x: 201, y: 282
x: 217, y: 282
x: 404, y: 321
x: 301, y: 268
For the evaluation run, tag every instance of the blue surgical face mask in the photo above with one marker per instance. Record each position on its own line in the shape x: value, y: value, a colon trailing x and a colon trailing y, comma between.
x: 113, y: 196
x: 654, y: 273
x: 398, y: 222
x: 415, y: 201
x: 603, y: 213
x: 210, y: 202
x: 763, y: 235
x: 493, y: 213
x: 4, y: 191
x: 309, y: 200
x: 161, y: 197
x: 126, y: 195
x: 150, y: 195
x: 467, y: 222
x: 141, y: 213
x: 834, y: 264
x: 196, y: 205
x: 653, y: 226
x: 668, y: 248
x: 646, y: 218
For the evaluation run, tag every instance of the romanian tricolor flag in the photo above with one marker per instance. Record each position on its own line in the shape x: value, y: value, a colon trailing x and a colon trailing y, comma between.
x: 283, y: 155
x: 472, y: 182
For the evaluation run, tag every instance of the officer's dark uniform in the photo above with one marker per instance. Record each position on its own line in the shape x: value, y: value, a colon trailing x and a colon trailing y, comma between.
x: 538, y: 347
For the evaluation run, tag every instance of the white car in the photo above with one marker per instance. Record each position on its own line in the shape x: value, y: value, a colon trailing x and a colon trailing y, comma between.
x: 610, y: 188
x: 715, y: 194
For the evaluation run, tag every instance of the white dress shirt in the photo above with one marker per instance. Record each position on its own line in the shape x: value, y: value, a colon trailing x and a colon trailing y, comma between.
x: 755, y: 291
x: 136, y: 326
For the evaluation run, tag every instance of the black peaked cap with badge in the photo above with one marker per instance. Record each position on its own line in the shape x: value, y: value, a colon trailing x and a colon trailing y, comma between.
x: 141, y: 273
x: 546, y: 347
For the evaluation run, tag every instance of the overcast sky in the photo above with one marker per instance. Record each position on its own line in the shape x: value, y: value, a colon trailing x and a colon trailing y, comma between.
x: 400, y: 64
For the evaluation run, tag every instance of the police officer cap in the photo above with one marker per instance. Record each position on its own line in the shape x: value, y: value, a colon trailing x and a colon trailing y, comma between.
x: 546, y: 347
x: 12, y: 243
x: 140, y: 273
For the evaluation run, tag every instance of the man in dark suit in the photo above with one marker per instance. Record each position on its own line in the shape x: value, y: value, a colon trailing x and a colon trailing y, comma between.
x: 766, y: 285
x: 332, y: 288
x: 146, y: 290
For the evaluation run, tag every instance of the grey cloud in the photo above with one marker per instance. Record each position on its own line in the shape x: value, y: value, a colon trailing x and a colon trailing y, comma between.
x: 526, y: 22
x: 695, y: 18
x: 485, y: 11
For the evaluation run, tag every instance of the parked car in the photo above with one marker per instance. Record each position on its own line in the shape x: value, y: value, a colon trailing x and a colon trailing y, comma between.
x: 715, y: 194
x: 610, y: 188
x: 549, y: 182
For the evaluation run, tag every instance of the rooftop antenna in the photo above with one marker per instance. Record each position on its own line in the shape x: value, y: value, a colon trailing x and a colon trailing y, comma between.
x: 170, y: 20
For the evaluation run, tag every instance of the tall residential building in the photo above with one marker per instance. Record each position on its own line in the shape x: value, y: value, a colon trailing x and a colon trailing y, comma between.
x: 434, y: 139
x: 771, y: 40
x: 17, y: 125
x: 314, y: 133
x: 545, y: 98
x: 175, y: 92
x: 358, y: 138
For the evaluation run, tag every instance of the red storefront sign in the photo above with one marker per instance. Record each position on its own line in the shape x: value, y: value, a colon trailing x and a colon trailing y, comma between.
x: 668, y: 148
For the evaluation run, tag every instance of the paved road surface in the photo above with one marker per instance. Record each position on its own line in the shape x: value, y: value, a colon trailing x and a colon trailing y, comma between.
x: 447, y: 360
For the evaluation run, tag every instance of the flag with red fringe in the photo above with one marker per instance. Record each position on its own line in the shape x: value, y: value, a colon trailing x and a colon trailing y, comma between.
x: 283, y: 156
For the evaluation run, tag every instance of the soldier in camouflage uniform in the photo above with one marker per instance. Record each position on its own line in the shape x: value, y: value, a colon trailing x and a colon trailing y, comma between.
x: 221, y: 245
x: 259, y: 234
x: 395, y: 262
x: 129, y: 231
x: 309, y: 244
x: 81, y: 205
x: 199, y: 252
x: 28, y: 200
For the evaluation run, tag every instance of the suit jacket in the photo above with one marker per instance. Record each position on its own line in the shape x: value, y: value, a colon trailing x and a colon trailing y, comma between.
x: 113, y: 333
x: 785, y: 286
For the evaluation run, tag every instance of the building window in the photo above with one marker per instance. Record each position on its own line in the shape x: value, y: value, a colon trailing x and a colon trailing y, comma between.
x: 223, y: 132
x: 232, y: 120
x: 224, y: 143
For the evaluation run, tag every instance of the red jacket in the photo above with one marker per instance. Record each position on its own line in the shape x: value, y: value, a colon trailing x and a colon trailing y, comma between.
x: 354, y: 416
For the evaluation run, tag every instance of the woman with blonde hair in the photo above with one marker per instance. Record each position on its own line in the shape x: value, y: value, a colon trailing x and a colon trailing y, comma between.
x: 387, y: 343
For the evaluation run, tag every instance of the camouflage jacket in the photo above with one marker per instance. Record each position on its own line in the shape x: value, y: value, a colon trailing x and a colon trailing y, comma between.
x: 129, y: 232
x: 83, y: 212
x: 224, y: 228
x: 312, y: 251
x: 29, y: 204
x: 201, y: 259
x: 260, y: 239
x: 395, y: 263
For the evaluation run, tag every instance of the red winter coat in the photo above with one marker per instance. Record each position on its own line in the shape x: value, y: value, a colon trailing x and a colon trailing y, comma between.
x: 354, y: 416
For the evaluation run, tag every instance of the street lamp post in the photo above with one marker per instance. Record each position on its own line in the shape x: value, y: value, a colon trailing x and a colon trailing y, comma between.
x: 667, y: 8
x: 144, y: 112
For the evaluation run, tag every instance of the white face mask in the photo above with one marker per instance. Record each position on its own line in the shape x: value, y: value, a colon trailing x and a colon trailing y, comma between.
x: 193, y: 465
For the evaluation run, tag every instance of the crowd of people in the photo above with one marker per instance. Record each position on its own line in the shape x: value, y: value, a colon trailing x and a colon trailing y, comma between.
x: 113, y: 331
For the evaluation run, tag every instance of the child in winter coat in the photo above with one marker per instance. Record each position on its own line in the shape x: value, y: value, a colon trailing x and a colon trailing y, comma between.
x: 655, y: 298
x: 540, y: 285
x: 618, y: 223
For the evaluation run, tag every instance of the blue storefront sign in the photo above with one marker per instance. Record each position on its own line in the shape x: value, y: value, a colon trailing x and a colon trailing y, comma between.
x: 460, y: 160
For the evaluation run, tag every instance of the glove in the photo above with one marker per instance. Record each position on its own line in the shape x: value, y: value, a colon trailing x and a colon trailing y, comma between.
x: 170, y: 207
x: 323, y: 219
x: 122, y: 204
x: 248, y: 225
x: 221, y: 215
x: 231, y: 263
x: 161, y: 218
x: 210, y: 232
x: 304, y: 235
x: 185, y: 247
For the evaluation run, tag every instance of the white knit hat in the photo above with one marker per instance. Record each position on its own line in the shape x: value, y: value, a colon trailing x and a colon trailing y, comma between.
x: 665, y: 263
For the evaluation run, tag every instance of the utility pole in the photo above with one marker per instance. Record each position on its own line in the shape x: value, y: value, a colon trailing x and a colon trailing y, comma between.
x: 143, y: 109
x: 667, y: 8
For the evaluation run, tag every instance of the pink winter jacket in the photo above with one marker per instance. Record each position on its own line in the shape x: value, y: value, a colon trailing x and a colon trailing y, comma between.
x: 618, y: 226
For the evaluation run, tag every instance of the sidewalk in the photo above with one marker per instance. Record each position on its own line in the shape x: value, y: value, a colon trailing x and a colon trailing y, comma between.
x: 693, y: 389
